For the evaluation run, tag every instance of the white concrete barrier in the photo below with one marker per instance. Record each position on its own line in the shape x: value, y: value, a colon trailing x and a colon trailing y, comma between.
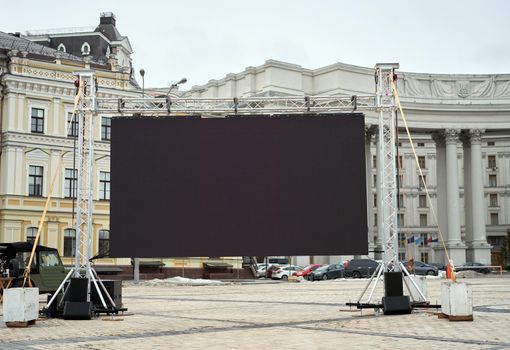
x: 421, y: 282
x: 21, y: 306
x: 457, y: 301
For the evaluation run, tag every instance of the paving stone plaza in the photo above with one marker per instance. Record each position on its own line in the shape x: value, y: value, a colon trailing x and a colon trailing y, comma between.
x: 265, y: 315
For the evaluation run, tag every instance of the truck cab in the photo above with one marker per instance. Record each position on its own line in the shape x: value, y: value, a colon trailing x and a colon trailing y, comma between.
x: 47, y: 270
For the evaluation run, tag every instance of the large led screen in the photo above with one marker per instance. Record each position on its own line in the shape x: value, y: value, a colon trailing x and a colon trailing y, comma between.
x: 238, y: 186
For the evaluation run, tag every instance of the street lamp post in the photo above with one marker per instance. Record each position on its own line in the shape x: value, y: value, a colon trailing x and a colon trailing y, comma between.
x: 174, y: 85
x: 142, y: 73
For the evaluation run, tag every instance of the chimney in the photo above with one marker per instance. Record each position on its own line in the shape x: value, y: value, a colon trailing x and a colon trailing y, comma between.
x: 107, y: 18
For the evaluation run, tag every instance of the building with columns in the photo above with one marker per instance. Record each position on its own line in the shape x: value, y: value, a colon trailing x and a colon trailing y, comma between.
x: 460, y: 127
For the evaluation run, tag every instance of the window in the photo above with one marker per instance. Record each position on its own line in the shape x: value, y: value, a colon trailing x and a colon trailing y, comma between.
x: 493, y: 181
x: 31, y: 234
x: 104, y: 185
x: 424, y: 257
x: 421, y: 144
x: 400, y: 219
x: 422, y: 180
x: 401, y: 256
x: 491, y: 143
x: 494, y: 219
x: 104, y: 242
x: 72, y: 125
x: 375, y: 200
x: 61, y: 47
x: 85, y: 49
x: 375, y: 219
x: 375, y: 180
x: 374, y: 162
x: 49, y: 259
x: 422, y: 201
x: 69, y: 242
x: 401, y: 201
x: 35, y: 180
x: 423, y: 220
x: 37, y: 120
x: 70, y: 182
x: 421, y: 162
x: 491, y: 161
x: 493, y: 202
x: 106, y: 125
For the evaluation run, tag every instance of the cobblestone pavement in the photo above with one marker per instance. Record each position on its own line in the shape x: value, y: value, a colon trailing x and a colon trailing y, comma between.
x: 273, y: 316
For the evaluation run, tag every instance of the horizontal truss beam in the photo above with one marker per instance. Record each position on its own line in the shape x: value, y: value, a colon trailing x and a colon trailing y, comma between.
x: 237, y: 106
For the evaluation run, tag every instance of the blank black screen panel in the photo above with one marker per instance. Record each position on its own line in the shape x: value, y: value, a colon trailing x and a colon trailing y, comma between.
x: 238, y: 186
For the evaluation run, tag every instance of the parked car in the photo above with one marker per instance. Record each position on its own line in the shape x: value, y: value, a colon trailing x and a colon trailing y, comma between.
x: 284, y: 272
x: 305, y: 272
x: 272, y: 268
x: 421, y: 268
x: 327, y: 272
x: 261, y: 271
x: 358, y: 268
x: 473, y: 266
x: 440, y: 266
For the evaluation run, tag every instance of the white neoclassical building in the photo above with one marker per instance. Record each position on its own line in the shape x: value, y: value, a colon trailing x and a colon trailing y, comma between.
x: 460, y: 127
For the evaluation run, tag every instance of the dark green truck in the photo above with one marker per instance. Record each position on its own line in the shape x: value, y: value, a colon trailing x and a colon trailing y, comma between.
x: 47, y: 270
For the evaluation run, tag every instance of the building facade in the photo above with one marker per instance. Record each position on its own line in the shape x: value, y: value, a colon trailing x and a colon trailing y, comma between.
x: 38, y: 129
x: 460, y: 126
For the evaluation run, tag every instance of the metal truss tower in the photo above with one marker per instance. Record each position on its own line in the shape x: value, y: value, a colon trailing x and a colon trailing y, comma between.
x: 85, y: 114
x: 386, y: 107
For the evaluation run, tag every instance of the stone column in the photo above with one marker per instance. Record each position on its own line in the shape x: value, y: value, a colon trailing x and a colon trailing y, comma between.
x: 442, y: 218
x: 478, y: 248
x: 369, y: 132
x: 379, y: 239
x: 456, y: 248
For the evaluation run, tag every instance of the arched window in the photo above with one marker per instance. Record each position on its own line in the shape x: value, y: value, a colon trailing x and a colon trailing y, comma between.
x: 69, y: 242
x: 104, y: 242
x: 108, y: 52
x: 85, y: 49
x: 31, y: 233
x: 61, y: 47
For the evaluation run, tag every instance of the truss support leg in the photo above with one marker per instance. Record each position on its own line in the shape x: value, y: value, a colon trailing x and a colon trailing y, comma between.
x: 60, y: 288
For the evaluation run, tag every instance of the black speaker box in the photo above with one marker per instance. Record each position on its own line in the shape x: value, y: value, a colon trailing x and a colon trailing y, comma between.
x: 396, y: 305
x: 393, y: 284
x: 114, y: 288
x: 77, y: 310
x: 77, y: 290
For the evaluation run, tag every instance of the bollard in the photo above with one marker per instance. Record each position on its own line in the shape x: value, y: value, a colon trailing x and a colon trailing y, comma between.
x: 456, y: 301
x: 21, y: 306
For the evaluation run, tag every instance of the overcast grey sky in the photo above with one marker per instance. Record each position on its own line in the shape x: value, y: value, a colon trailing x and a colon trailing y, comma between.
x: 206, y: 39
